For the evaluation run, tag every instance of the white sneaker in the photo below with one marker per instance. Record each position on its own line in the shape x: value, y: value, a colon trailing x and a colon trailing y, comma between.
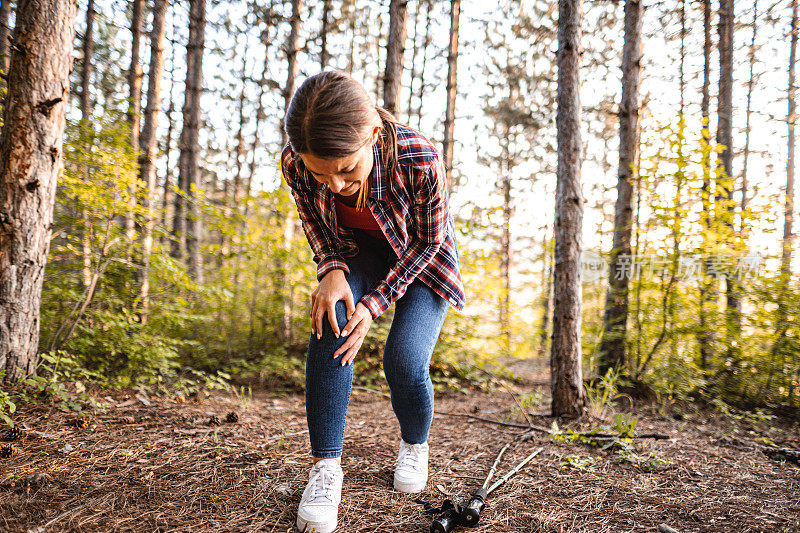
x: 411, y: 472
x: 319, y: 507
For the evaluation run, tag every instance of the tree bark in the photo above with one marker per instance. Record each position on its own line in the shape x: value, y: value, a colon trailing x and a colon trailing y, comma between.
x: 450, y: 112
x: 86, y: 113
x: 395, y: 51
x: 190, y: 147
x: 725, y: 137
x: 323, y: 53
x: 5, y: 12
x: 615, y: 321
x: 289, y: 222
x: 708, y: 291
x: 134, y: 106
x: 291, y: 62
x: 148, y: 147
x: 568, y: 394
x: 547, y: 285
x: 31, y: 159
x: 167, y: 194
x: 750, y: 83
x: 413, y: 73
x: 425, y: 46
x: 788, y: 206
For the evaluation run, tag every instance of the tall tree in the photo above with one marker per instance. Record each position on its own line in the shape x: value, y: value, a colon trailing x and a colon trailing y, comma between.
x: 413, y: 74
x: 5, y: 13
x: 612, y: 344
x: 708, y: 292
x: 788, y: 203
x: 566, y: 375
x: 290, y: 222
x: 31, y: 159
x: 452, y: 86
x: 726, y: 184
x: 395, y: 51
x: 323, y: 45
x: 148, y: 146
x: 425, y: 45
x: 292, y: 45
x: 751, y: 57
x: 190, y: 147
x: 86, y: 113
x: 135, y: 102
x: 167, y: 193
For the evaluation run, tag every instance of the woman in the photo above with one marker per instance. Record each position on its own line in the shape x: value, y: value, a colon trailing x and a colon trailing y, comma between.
x: 372, y: 197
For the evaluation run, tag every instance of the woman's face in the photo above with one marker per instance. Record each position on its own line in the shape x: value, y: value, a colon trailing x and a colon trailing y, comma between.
x: 344, y: 175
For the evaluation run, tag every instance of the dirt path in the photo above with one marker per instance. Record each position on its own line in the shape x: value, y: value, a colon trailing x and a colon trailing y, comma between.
x: 162, y: 468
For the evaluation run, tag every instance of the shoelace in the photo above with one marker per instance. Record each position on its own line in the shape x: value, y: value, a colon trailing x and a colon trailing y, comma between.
x: 409, y: 455
x: 321, y: 486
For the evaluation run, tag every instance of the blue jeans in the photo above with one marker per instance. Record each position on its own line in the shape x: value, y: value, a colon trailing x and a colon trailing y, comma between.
x: 418, y: 318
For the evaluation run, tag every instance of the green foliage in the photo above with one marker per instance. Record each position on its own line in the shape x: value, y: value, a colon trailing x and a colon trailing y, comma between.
x: 681, y: 337
x: 617, y: 437
x: 601, y: 395
x: 575, y: 462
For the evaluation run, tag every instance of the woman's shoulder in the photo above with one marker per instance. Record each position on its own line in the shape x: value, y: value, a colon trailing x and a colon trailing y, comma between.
x: 414, y: 149
x: 292, y: 168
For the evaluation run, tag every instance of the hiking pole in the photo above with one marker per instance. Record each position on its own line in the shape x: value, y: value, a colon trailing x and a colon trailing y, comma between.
x: 472, y: 510
x: 470, y: 513
x: 454, y: 514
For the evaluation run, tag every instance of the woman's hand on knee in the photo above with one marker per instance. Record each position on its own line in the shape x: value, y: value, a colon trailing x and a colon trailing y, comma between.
x: 332, y: 288
x: 357, y: 327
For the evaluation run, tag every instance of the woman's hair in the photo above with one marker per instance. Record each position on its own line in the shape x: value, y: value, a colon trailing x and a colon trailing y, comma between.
x: 329, y: 116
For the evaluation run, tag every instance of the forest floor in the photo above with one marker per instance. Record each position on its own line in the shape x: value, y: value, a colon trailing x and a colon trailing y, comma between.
x: 156, y: 465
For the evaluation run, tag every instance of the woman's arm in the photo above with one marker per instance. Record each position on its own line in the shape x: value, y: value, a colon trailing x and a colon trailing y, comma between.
x: 319, y: 235
x: 430, y: 212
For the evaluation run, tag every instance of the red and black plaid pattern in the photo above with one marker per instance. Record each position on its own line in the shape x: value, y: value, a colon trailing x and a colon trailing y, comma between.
x: 411, y: 208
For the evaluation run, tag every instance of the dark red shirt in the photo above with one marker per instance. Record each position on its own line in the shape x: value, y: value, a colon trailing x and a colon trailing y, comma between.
x: 357, y: 218
x: 411, y: 207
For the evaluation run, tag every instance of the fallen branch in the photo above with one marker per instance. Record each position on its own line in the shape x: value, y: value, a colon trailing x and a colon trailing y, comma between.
x: 657, y: 436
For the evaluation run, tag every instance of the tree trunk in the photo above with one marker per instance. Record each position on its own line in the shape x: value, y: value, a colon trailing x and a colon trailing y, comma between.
x: 569, y: 396
x: 134, y: 107
x: 289, y: 226
x: 190, y: 147
x: 323, y: 53
x: 427, y: 43
x: 450, y: 112
x: 725, y: 137
x: 395, y: 51
x: 788, y: 209
x: 547, y: 285
x: 5, y: 13
x: 86, y: 113
x: 167, y: 198
x: 148, y: 146
x: 615, y: 321
x: 413, y: 76
x: 506, y: 167
x: 30, y: 162
x: 708, y: 291
x: 750, y: 83
x: 349, y: 13
x: 291, y: 62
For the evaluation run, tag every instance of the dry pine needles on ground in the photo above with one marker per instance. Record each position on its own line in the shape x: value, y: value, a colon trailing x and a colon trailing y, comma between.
x: 162, y: 467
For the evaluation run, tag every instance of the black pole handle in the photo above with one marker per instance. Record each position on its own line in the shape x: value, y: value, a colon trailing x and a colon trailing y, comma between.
x: 471, y: 512
x: 446, y: 522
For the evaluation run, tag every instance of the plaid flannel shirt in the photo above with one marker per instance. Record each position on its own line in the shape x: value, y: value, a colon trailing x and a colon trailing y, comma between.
x: 412, y: 210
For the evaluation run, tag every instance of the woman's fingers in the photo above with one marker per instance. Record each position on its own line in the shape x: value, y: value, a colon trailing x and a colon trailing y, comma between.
x: 332, y: 318
x: 358, y: 339
x: 313, y: 314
